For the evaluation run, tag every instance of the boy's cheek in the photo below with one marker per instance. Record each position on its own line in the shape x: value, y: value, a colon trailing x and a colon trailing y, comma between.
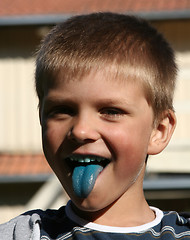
x: 50, y: 140
x: 130, y: 156
x: 130, y: 166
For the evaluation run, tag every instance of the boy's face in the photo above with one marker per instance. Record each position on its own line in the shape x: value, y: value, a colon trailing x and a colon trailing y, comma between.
x: 97, y: 116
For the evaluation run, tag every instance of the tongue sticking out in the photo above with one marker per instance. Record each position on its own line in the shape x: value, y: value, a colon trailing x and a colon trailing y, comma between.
x: 84, y: 178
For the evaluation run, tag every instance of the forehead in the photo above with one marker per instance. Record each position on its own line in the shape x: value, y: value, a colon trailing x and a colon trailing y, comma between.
x: 102, y: 84
x: 107, y: 72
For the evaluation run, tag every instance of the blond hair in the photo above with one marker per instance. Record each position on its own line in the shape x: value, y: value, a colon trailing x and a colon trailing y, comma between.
x: 92, y: 42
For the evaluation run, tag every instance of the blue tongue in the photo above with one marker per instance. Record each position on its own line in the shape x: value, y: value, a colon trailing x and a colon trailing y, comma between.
x: 84, y: 178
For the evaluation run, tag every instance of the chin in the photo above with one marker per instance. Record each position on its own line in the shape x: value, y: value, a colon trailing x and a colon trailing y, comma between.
x: 91, y: 204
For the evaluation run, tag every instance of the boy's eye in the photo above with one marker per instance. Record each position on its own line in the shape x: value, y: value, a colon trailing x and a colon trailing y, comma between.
x: 61, y: 111
x: 112, y: 113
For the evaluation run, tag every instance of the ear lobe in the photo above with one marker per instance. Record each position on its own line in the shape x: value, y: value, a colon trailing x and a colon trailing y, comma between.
x: 162, y: 133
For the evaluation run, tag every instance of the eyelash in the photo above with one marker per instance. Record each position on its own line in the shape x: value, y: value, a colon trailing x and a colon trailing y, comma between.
x: 112, y: 113
x: 62, y: 110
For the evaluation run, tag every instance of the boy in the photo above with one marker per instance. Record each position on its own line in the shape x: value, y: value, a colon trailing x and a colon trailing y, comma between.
x: 105, y: 84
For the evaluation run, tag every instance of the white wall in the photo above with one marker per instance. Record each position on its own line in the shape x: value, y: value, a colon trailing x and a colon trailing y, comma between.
x: 19, y: 125
x: 176, y: 157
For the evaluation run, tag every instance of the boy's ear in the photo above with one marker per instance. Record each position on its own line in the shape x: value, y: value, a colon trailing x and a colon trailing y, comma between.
x: 162, y: 133
x: 40, y: 113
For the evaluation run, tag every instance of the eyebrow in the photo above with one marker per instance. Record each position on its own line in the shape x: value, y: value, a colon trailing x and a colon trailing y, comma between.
x: 51, y: 101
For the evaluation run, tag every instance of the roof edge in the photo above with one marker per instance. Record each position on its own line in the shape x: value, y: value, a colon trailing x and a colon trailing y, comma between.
x: 25, y: 20
x: 24, y: 178
x: 51, y: 19
x: 165, y: 15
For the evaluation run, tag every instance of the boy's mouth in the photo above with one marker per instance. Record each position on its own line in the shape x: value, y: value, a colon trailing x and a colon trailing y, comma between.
x: 85, y: 170
x: 78, y: 160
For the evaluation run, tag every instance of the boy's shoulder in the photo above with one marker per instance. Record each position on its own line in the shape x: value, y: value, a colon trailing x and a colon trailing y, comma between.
x: 173, y: 225
x: 176, y: 219
x: 30, y: 224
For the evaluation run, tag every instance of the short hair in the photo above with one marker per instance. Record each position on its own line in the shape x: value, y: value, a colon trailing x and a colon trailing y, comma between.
x: 130, y: 45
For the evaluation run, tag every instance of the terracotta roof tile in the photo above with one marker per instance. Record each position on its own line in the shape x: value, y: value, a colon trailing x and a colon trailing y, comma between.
x: 26, y: 7
x: 13, y: 165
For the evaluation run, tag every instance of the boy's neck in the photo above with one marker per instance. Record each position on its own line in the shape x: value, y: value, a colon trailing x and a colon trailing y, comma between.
x: 128, y: 211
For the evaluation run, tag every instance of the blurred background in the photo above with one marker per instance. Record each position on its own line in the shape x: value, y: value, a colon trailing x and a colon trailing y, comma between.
x: 26, y: 181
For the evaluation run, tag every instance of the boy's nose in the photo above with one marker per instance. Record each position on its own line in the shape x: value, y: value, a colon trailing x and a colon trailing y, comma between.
x: 83, y: 131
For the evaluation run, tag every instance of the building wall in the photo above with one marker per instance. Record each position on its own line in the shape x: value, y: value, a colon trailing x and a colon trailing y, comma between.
x: 19, y: 124
x: 176, y: 157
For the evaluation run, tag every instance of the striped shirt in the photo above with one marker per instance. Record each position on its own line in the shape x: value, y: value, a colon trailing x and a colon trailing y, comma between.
x: 64, y: 224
